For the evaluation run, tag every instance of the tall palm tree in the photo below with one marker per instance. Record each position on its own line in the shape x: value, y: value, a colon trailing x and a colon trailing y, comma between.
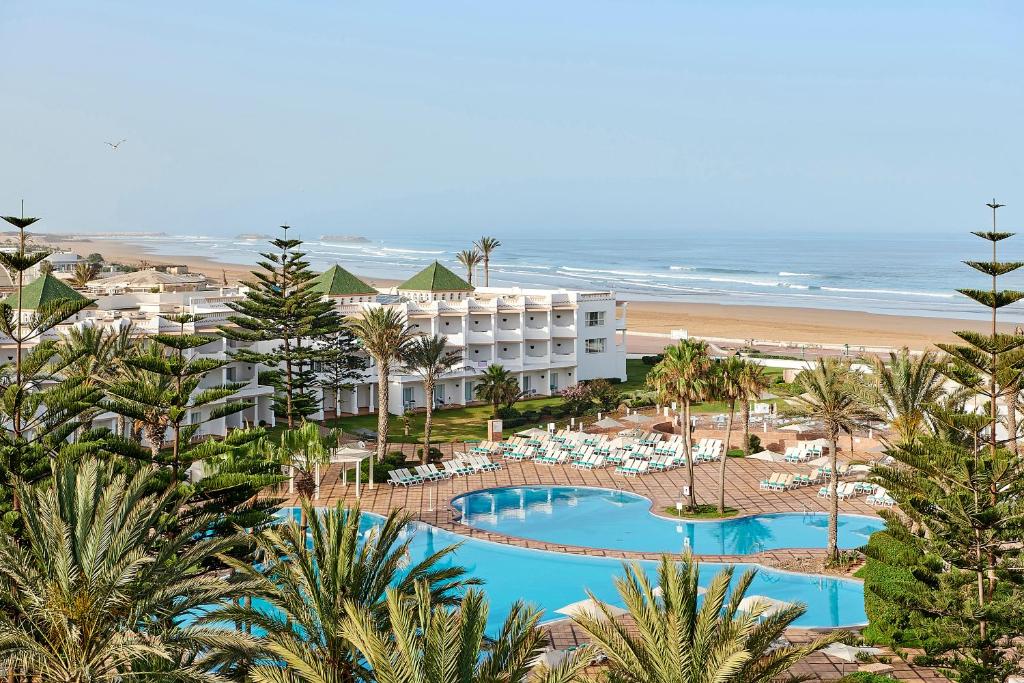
x: 429, y: 358
x: 676, y: 641
x: 470, y: 258
x: 486, y: 246
x: 84, y: 273
x: 431, y: 643
x: 684, y: 374
x: 753, y: 381
x: 728, y: 388
x: 827, y: 393
x: 307, y: 583
x: 97, y: 586
x: 383, y: 333
x: 497, y: 385
x: 902, y: 389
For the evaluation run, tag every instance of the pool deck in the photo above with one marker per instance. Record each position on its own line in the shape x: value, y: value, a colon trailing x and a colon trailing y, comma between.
x: 430, y: 503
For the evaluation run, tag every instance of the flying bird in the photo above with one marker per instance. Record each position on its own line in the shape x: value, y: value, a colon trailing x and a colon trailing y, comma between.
x: 115, y: 145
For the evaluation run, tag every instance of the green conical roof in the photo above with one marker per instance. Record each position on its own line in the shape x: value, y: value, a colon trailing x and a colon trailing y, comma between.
x: 336, y: 281
x: 41, y: 291
x: 436, y: 278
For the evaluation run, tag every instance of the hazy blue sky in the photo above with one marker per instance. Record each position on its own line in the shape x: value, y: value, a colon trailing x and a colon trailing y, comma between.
x: 579, y: 117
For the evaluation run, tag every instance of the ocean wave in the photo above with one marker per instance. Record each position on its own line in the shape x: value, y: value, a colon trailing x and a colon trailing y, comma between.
x: 520, y: 265
x: 897, y: 292
x: 786, y: 273
x: 411, y: 251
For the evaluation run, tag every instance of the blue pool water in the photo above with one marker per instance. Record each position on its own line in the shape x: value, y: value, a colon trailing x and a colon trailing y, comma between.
x: 619, y: 520
x: 552, y: 580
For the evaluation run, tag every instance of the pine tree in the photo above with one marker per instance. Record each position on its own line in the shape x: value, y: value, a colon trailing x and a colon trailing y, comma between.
x: 172, y: 392
x: 39, y: 412
x: 167, y: 397
x: 340, y: 363
x: 283, y: 311
x: 961, y: 497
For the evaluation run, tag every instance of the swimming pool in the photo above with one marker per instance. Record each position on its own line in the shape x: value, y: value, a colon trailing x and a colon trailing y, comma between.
x: 551, y: 580
x: 619, y: 520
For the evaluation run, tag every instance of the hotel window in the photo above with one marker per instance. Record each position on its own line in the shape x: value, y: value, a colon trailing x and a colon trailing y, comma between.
x: 595, y: 345
x: 595, y: 318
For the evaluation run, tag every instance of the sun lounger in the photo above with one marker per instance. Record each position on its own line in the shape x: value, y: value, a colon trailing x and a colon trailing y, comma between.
x: 411, y: 476
x: 783, y: 483
x: 628, y: 468
x: 395, y: 479
x: 481, y: 463
x: 454, y: 469
x: 440, y: 474
x: 770, y: 481
x: 846, y: 490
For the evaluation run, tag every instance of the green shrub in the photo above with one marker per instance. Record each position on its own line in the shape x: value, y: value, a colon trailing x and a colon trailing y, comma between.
x: 864, y: 677
x: 754, y: 443
x: 435, y: 454
x: 391, y: 461
x: 651, y: 360
x: 889, y: 567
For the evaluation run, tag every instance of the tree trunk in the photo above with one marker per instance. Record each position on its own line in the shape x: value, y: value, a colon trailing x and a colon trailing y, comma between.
x: 1011, y: 420
x: 691, y: 504
x: 833, y: 513
x: 725, y: 456
x: 383, y: 391
x: 746, y: 429
x: 428, y: 389
x: 288, y: 382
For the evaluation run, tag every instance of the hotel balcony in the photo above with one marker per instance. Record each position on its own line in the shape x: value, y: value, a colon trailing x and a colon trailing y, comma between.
x: 537, y: 332
x: 479, y: 337
x: 512, y: 335
x: 562, y: 359
x: 563, y: 330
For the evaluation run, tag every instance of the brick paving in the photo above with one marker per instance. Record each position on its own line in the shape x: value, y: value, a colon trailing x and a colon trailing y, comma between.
x: 430, y: 503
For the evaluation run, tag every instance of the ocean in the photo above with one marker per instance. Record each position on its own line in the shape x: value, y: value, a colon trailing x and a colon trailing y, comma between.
x: 888, y: 273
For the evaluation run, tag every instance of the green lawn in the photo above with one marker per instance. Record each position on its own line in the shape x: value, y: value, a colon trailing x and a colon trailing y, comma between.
x: 450, y: 424
x: 636, y: 375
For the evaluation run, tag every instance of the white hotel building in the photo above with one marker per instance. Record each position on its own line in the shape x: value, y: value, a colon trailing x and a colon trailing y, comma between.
x: 549, y: 339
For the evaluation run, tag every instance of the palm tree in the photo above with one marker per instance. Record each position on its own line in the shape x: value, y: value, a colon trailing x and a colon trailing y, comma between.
x: 84, y: 272
x: 753, y: 381
x: 308, y: 582
x: 677, y: 641
x: 431, y: 643
x: 383, y: 333
x: 684, y: 374
x: 486, y: 246
x: 827, y: 393
x: 470, y: 258
x: 99, y: 582
x: 429, y: 358
x: 729, y: 388
x: 902, y: 390
x: 497, y: 385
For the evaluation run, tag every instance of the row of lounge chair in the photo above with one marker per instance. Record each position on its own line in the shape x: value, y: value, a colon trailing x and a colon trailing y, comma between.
x: 802, y: 452
x: 784, y: 481
x: 847, y: 489
x: 468, y: 464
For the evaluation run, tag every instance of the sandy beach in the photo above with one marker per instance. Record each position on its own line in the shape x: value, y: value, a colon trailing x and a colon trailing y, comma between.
x: 725, y: 321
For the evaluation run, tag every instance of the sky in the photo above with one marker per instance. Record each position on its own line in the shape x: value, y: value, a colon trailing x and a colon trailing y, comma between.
x: 574, y: 118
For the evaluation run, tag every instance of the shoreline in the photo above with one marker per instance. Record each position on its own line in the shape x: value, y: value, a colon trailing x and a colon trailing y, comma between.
x: 787, y: 325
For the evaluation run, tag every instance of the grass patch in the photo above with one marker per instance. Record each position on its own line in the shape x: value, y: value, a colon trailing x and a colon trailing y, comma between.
x: 702, y: 512
x: 735, y: 453
x: 450, y: 424
x: 636, y: 375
